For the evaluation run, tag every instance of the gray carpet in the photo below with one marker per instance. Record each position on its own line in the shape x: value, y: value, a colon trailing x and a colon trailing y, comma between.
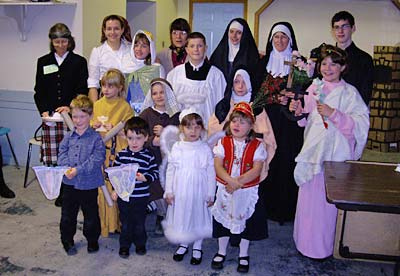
x: 30, y: 245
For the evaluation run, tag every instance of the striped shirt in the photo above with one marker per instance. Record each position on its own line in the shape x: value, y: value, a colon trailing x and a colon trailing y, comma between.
x: 147, y: 166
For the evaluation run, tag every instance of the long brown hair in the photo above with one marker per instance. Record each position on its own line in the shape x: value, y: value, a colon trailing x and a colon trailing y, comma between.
x: 124, y: 25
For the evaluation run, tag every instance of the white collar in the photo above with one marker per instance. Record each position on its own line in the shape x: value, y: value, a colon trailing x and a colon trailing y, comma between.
x: 60, y: 59
x: 196, y: 67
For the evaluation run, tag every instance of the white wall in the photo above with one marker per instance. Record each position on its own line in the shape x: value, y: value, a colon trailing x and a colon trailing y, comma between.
x: 377, y: 22
x: 141, y: 16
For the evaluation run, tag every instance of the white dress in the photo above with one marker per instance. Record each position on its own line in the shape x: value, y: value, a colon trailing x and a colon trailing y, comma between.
x: 233, y: 210
x: 202, y: 95
x: 191, y: 179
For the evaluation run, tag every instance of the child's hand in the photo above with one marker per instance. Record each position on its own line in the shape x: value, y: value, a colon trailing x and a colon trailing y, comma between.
x: 233, y: 185
x: 324, y: 109
x: 156, y: 141
x: 210, y: 202
x: 295, y: 105
x: 169, y: 198
x: 71, y: 173
x: 140, y: 177
x: 108, y: 126
x: 96, y: 124
x: 157, y: 129
x: 114, y: 196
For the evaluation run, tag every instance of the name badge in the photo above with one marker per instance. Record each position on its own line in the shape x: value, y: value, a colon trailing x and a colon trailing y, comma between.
x: 48, y: 69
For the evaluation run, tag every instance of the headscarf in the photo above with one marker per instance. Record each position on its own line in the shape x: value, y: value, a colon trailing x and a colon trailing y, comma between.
x: 247, y: 54
x: 234, y: 49
x: 276, y: 61
x: 270, y: 48
x: 171, y: 105
x: 140, y: 63
x: 223, y: 106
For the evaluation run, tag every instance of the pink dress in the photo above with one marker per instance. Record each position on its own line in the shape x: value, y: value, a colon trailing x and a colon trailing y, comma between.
x: 344, y: 139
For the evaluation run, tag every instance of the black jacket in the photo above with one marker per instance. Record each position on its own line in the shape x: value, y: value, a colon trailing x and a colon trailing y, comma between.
x: 57, y: 89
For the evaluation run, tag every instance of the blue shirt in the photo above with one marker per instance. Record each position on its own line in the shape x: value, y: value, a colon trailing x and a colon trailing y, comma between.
x: 86, y: 153
x: 147, y: 166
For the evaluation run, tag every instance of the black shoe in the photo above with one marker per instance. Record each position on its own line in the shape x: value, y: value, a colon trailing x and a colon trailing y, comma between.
x: 6, y: 192
x: 141, y: 250
x: 218, y: 265
x: 58, y: 201
x: 124, y: 252
x: 179, y: 257
x: 196, y: 261
x: 243, y: 268
x: 69, y: 247
x: 159, y: 230
x: 93, y: 247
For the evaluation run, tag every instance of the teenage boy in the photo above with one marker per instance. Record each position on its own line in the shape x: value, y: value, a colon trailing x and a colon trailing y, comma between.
x: 83, y: 151
x: 360, y: 70
x: 196, y: 83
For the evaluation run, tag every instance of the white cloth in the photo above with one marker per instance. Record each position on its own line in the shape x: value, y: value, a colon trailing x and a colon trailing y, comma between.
x: 246, y: 79
x: 237, y: 99
x: 276, y: 63
x: 104, y: 58
x: 202, y: 95
x: 60, y: 59
x: 330, y: 144
x: 232, y: 210
x: 191, y: 179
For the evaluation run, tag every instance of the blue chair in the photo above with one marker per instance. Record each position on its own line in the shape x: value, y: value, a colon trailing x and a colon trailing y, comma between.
x: 5, y: 131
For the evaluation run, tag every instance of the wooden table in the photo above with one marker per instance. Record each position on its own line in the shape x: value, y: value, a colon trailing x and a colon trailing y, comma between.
x: 362, y: 186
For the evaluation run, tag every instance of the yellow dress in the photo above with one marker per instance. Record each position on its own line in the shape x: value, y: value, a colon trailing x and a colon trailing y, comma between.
x: 116, y: 110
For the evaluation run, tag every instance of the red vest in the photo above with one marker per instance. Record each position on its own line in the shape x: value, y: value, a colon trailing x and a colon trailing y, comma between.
x: 246, y: 162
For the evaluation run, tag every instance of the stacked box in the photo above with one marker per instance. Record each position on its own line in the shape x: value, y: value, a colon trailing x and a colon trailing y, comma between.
x: 384, y: 132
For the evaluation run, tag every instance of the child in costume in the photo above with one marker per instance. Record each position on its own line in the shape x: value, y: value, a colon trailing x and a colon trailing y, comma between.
x: 133, y: 213
x: 138, y: 82
x: 238, y: 211
x: 115, y: 109
x: 196, y: 83
x: 239, y: 89
x: 190, y: 187
x: 336, y: 129
x: 83, y: 151
x: 160, y: 110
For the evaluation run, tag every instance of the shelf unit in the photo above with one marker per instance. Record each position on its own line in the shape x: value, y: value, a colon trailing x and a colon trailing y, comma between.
x: 22, y: 16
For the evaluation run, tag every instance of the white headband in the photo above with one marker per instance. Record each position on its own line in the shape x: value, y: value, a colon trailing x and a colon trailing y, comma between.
x: 282, y: 29
x: 246, y: 78
x: 236, y: 25
x: 188, y: 111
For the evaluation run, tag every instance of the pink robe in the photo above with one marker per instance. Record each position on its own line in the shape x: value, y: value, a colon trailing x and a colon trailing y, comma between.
x: 345, y: 138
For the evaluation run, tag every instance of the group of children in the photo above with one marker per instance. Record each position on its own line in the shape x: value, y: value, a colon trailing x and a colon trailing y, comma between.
x: 211, y: 190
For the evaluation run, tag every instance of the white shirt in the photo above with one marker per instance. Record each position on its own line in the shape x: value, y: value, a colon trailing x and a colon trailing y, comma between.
x: 104, y: 58
x: 60, y: 59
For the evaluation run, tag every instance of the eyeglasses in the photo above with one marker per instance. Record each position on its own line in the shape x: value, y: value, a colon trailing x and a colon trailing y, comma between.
x: 175, y: 32
x: 343, y: 27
